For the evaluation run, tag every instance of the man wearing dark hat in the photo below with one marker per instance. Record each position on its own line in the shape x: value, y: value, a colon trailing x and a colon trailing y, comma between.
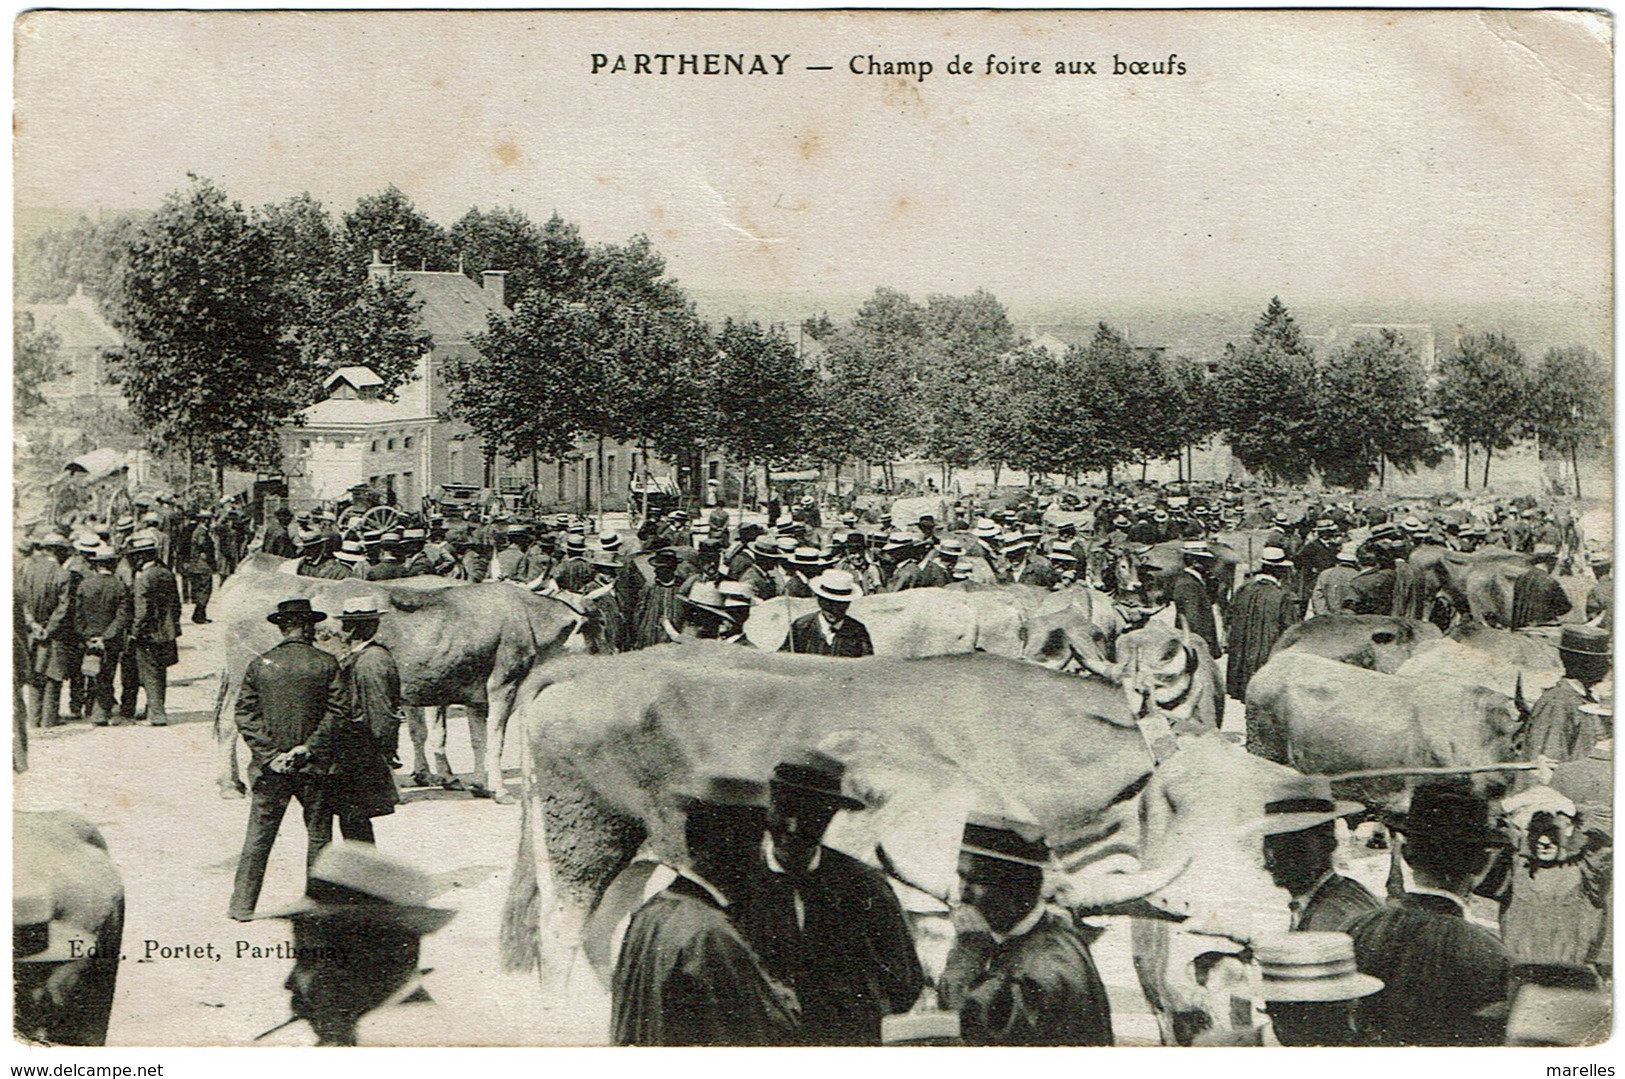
x: 1559, y: 728
x: 357, y: 939
x: 825, y: 924
x: 1187, y: 590
x: 1300, y: 837
x: 685, y: 974
x: 1371, y: 591
x: 1029, y: 566
x: 319, y: 557
x: 102, y: 614
x: 45, y: 595
x: 1261, y: 611
x: 1439, y: 970
x: 1318, y: 554
x: 155, y: 623
x: 706, y: 615
x: 1029, y: 979
x: 284, y: 696
x: 830, y: 631
x: 275, y: 540
x: 353, y: 751
x: 1537, y: 599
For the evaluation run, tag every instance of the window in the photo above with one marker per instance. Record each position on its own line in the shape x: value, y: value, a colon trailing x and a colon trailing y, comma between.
x: 392, y: 443
x: 407, y: 442
x: 375, y: 445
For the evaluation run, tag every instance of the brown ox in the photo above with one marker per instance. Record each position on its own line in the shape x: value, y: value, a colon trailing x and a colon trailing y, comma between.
x: 1376, y: 642
x: 1016, y: 621
x: 606, y: 740
x: 471, y: 645
x: 1479, y: 582
x: 63, y: 856
x: 1324, y: 717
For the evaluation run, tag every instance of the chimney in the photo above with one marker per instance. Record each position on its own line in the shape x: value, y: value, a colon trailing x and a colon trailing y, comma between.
x: 379, y: 271
x: 497, y: 280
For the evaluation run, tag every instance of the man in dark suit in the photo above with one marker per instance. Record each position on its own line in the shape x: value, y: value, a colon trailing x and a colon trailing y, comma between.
x: 202, y: 559
x: 685, y: 975
x: 155, y: 623
x: 284, y: 696
x: 353, y: 751
x: 825, y: 924
x: 830, y: 631
x: 1028, y: 979
x: 45, y: 591
x: 1300, y: 836
x: 1187, y: 590
x: 1440, y: 971
x: 102, y: 616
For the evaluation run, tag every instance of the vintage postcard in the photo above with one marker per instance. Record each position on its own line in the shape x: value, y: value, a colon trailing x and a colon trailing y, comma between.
x: 584, y: 528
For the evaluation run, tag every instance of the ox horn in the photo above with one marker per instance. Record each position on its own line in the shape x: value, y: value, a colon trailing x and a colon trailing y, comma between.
x: 1096, y: 891
x: 1520, y: 702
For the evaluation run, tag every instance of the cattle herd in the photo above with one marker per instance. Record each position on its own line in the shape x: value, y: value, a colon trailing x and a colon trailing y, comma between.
x: 1083, y: 695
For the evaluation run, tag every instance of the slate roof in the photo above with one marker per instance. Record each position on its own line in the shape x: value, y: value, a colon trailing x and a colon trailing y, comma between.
x: 455, y: 308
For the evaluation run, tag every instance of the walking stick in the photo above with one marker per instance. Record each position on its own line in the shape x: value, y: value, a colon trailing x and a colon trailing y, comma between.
x: 1452, y: 770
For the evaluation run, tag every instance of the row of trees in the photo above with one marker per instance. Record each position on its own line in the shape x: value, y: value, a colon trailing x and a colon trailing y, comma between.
x: 233, y: 316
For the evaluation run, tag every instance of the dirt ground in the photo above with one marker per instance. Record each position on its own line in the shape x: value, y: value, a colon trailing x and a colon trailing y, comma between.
x: 152, y: 793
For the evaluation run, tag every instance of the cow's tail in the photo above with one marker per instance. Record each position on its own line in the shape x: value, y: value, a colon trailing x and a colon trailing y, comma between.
x: 522, y: 911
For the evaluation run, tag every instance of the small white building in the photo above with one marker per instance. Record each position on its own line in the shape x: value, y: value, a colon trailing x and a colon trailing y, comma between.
x: 356, y: 437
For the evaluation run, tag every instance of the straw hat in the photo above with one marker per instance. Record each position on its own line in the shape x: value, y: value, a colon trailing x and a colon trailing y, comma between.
x: 707, y: 597
x: 990, y: 835
x: 365, y: 608
x: 837, y: 585
x: 1311, y: 966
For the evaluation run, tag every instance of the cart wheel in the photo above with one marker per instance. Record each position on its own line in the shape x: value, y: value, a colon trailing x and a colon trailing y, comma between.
x: 380, y: 519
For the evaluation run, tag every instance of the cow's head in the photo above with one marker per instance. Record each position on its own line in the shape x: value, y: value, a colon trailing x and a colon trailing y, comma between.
x: 1493, y: 732
x: 1059, y: 635
x: 1391, y: 641
x: 1161, y: 666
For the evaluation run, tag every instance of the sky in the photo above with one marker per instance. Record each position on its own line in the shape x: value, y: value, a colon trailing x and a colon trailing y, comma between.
x: 1451, y: 155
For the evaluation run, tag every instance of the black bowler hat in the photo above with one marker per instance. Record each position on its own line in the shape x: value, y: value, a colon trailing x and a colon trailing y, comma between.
x: 815, y: 773
x: 1449, y: 813
x: 295, y: 610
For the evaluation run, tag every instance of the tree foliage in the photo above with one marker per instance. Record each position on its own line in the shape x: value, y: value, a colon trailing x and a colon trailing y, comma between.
x: 765, y: 398
x: 388, y: 223
x: 873, y: 363
x: 1371, y: 404
x: 1482, y: 395
x: 1265, y: 391
x: 34, y: 362
x: 207, y: 365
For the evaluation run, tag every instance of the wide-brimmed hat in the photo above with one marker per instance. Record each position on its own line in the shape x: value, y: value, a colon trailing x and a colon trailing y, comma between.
x: 1308, y: 806
x: 785, y: 545
x: 124, y: 524
x: 664, y: 556
x: 575, y: 544
x: 808, y: 558
x: 1196, y: 549
x: 849, y: 519
x: 410, y: 534
x: 1281, y: 520
x: 764, y: 546
x: 736, y: 594
x: 102, y: 552
x: 1015, y: 541
x: 808, y: 500
x: 951, y: 547
x: 350, y: 551
x: 604, y: 559
x: 836, y: 585
x: 85, y: 542
x: 517, y: 530
x: 707, y: 597
x: 1061, y: 554
x: 369, y: 607
x: 725, y: 791
x: 812, y: 772
x: 142, y: 542
x: 1450, y: 813
x: 353, y: 882
x: 55, y: 540
x: 1348, y: 554
x: 990, y: 835
x: 902, y: 541
x: 609, y: 541
x: 985, y: 529
x: 37, y: 937
x: 297, y: 609
x: 1274, y: 556
x: 1311, y: 966
x: 1586, y: 641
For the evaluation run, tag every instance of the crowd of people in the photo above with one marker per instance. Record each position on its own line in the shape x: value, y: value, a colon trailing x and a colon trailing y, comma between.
x: 768, y: 936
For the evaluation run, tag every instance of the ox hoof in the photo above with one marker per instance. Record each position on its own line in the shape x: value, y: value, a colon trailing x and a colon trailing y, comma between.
x: 452, y: 783
x: 501, y: 797
x: 232, y: 793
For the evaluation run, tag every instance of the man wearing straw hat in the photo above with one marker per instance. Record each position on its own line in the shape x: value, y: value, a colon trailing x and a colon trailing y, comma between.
x: 830, y: 631
x: 357, y: 939
x: 938, y: 569
x: 825, y: 924
x: 1029, y: 978
x: 1300, y: 836
x: 1309, y: 985
x: 1261, y: 611
x: 685, y: 975
x: 284, y: 697
x: 1559, y: 728
x: 706, y: 615
x: 574, y: 572
x: 1439, y: 970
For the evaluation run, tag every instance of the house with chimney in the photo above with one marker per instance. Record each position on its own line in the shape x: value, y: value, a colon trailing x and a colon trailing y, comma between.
x: 406, y: 448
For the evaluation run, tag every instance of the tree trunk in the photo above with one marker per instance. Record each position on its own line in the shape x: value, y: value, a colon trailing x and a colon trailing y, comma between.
x: 1143, y: 466
x: 1488, y: 453
x: 601, y: 490
x: 643, y: 450
x: 996, y: 470
x: 1467, y: 465
x: 1382, y: 471
x: 1574, y: 459
x: 1109, y: 469
x: 535, y: 470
